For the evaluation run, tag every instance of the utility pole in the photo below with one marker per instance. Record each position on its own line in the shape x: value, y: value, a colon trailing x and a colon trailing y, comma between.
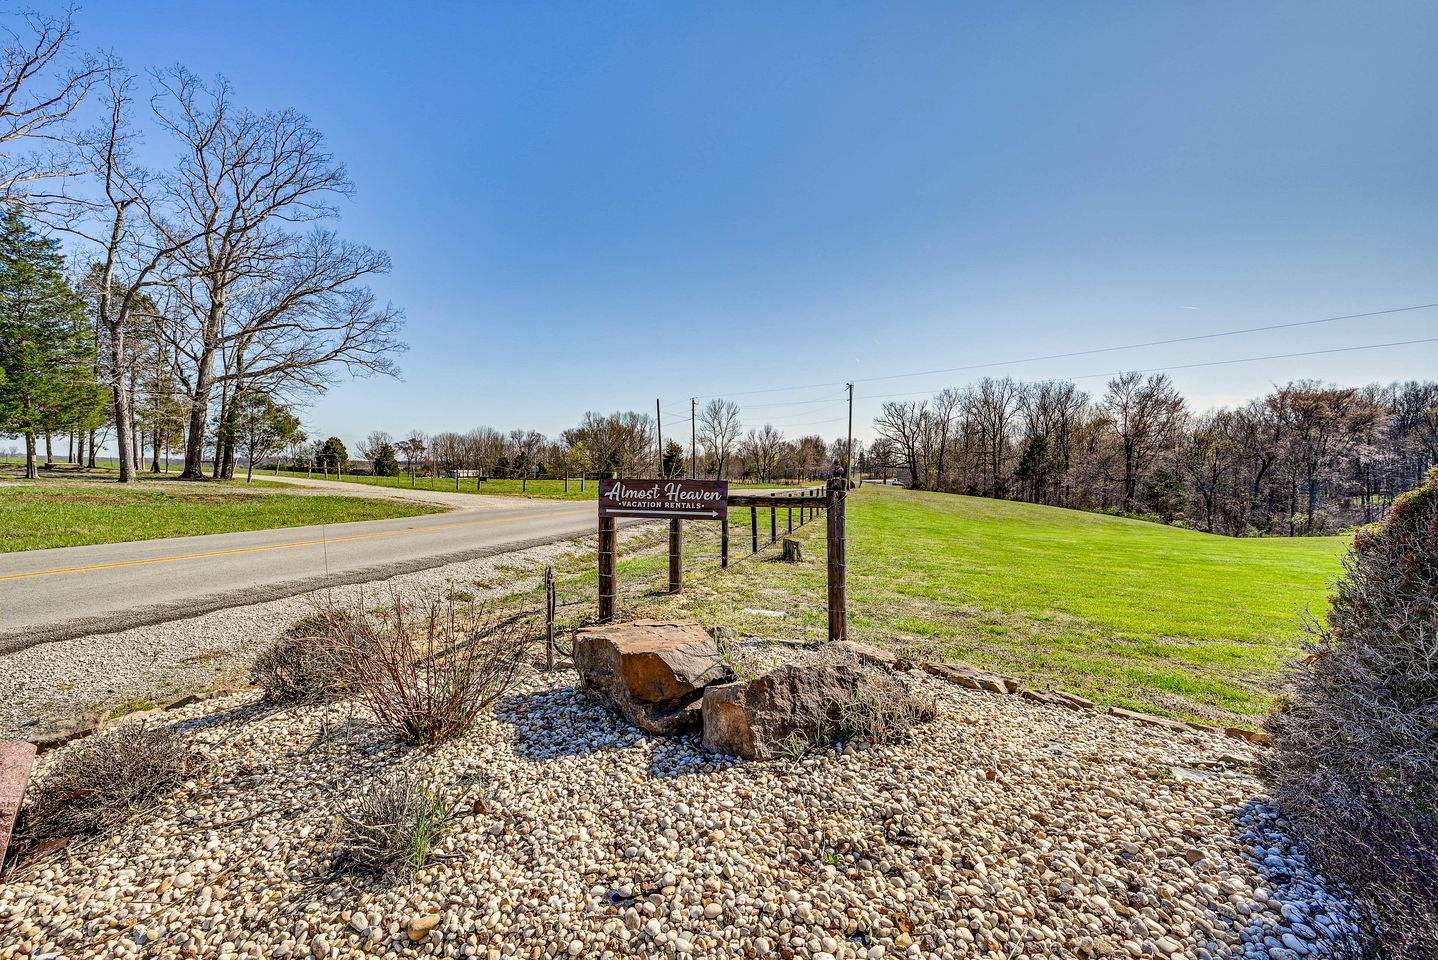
x: 659, y: 434
x: 849, y: 444
x: 693, y: 456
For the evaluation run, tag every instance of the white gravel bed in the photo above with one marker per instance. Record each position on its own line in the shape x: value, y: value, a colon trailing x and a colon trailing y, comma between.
x: 1003, y: 829
x: 44, y: 686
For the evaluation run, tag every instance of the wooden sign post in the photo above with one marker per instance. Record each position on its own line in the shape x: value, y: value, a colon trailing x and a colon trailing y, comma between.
x: 675, y: 500
x: 680, y: 500
x: 838, y: 592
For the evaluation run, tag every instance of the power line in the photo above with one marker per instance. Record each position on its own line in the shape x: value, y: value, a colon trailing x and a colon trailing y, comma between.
x: 1206, y: 363
x: 1097, y: 350
x: 1156, y: 343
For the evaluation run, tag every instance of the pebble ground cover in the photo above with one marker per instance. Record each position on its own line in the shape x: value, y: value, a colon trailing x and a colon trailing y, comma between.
x: 1003, y: 829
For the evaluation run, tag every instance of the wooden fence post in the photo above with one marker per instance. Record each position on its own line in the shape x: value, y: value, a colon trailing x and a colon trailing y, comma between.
x: 773, y: 524
x: 791, y: 519
x: 608, y: 568
x: 753, y: 530
x: 838, y: 597
x: 676, y: 555
x: 724, y: 545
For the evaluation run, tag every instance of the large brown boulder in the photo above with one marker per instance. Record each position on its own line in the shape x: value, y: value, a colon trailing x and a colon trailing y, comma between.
x: 652, y: 671
x: 790, y: 707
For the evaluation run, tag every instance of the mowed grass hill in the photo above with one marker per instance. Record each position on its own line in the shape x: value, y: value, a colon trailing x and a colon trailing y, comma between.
x: 1130, y: 613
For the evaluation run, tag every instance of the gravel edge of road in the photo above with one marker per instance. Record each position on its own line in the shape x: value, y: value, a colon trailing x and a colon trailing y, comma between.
x: 172, y: 652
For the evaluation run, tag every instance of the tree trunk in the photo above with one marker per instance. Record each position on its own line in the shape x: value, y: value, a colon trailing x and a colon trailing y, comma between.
x: 31, y: 472
x: 49, y: 451
x: 90, y: 461
x: 137, y: 448
x: 199, y: 412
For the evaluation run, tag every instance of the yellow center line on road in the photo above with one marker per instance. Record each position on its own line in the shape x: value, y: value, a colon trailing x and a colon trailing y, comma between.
x: 282, y: 546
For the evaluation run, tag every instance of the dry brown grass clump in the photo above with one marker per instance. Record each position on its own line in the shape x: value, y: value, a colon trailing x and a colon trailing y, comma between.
x: 1355, y: 764
x: 301, y: 666
x: 112, y: 777
x: 884, y: 710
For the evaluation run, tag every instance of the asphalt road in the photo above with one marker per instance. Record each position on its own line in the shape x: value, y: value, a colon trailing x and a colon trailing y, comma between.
x: 56, y: 594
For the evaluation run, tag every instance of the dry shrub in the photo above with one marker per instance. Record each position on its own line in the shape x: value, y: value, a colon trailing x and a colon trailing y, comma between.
x: 884, y: 710
x: 393, y: 829
x: 301, y: 667
x: 427, y: 671
x: 111, y: 778
x: 1355, y: 763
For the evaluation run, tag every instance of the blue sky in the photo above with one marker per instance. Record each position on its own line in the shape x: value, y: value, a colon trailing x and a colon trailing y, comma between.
x: 592, y: 205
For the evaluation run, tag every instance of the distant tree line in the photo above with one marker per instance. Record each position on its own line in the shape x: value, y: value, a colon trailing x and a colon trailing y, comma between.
x: 1308, y: 458
x: 625, y: 443
x: 213, y: 291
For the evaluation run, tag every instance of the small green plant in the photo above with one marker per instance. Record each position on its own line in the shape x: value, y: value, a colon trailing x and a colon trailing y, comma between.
x: 395, y: 828
x: 794, y: 747
x: 133, y: 705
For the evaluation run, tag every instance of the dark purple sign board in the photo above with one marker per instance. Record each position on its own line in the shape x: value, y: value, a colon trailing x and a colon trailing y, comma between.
x: 16, y: 756
x: 664, y: 499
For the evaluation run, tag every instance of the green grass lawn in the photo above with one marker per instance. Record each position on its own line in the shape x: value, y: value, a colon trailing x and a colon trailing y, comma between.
x: 1129, y: 613
x: 66, y: 513
x: 539, y: 489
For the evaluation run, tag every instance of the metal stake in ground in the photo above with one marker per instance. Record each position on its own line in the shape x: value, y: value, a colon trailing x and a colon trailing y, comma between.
x: 549, y: 608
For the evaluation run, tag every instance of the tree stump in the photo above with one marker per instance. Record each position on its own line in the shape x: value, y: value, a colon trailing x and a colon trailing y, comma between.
x: 793, y: 553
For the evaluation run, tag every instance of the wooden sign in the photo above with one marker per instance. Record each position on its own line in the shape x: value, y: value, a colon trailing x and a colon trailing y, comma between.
x: 664, y: 499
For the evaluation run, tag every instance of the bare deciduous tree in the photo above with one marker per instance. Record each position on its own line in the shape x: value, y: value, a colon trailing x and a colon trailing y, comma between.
x: 1146, y: 414
x: 718, y: 430
x: 42, y: 82
x: 243, y: 176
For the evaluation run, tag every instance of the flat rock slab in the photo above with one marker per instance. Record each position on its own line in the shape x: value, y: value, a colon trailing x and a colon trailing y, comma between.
x: 1162, y: 723
x: 874, y: 656
x: 973, y: 677
x: 652, y: 671
x: 16, y: 759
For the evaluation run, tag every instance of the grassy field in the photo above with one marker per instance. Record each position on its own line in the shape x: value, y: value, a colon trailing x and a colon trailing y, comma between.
x: 539, y: 489
x: 1129, y: 613
x: 66, y: 513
